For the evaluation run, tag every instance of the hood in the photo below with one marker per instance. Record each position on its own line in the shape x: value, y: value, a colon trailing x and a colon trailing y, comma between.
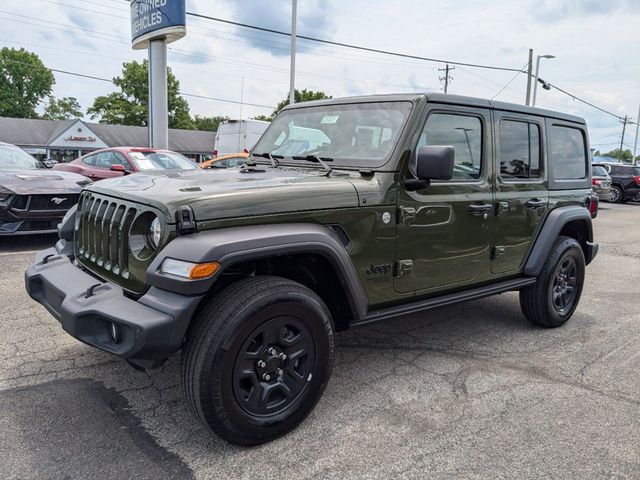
x: 218, y: 194
x: 28, y: 182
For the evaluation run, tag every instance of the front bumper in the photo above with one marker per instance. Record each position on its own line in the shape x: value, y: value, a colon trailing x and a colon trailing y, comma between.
x: 148, y: 330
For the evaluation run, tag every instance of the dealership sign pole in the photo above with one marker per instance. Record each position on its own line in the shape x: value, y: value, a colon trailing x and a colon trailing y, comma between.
x: 154, y: 24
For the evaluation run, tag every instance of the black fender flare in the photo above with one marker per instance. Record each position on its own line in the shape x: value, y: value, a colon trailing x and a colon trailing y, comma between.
x: 553, y: 225
x: 235, y: 244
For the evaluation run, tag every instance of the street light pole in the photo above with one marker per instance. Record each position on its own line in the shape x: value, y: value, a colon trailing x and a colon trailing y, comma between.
x: 535, y: 83
x: 292, y: 73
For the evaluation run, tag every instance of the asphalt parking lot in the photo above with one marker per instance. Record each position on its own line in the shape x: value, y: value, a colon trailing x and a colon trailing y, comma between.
x: 471, y: 391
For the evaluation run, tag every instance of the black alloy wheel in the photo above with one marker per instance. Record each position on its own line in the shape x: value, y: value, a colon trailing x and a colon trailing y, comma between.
x: 273, y: 366
x: 564, y: 287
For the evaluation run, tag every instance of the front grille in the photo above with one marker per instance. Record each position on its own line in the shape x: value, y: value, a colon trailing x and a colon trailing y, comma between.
x: 49, y: 202
x: 102, y: 236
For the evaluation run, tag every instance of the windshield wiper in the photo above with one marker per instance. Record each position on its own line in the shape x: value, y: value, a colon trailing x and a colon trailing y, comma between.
x: 316, y: 159
x: 272, y: 158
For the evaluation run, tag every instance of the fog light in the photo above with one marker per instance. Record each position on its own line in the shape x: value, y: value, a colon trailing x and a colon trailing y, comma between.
x: 114, y: 332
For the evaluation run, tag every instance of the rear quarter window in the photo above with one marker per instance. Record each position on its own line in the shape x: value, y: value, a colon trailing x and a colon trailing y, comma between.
x: 568, y: 153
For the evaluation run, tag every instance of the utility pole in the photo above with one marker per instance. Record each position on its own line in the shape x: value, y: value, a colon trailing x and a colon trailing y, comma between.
x: 447, y: 78
x: 292, y: 73
x: 529, y: 74
x: 635, y: 143
x: 624, y: 127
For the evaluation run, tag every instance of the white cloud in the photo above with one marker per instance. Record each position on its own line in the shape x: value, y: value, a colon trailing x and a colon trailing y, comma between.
x: 596, y: 45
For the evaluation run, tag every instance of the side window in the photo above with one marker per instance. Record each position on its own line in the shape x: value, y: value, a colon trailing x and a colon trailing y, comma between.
x: 567, y: 155
x: 119, y: 159
x: 104, y: 160
x: 90, y: 160
x: 519, y: 149
x: 464, y: 133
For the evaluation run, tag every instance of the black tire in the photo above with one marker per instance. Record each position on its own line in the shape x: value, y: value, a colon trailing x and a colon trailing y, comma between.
x: 617, y: 195
x: 253, y: 321
x: 551, y: 301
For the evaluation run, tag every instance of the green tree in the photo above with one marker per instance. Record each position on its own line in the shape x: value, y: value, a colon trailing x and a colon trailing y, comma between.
x: 24, y: 83
x: 264, y: 118
x: 624, y: 155
x: 129, y: 106
x: 62, y: 109
x: 299, y: 96
x: 209, y: 124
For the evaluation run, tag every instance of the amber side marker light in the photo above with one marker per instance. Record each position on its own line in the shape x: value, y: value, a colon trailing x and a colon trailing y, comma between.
x: 189, y: 270
x: 203, y: 270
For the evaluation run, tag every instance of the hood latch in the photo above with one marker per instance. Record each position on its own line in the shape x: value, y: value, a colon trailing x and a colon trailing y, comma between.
x: 186, y: 221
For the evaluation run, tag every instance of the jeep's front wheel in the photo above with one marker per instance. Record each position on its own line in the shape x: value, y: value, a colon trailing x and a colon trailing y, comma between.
x: 551, y: 301
x: 258, y: 359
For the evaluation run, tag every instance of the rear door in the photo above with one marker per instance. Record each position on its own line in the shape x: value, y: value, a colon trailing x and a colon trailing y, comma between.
x: 521, y: 193
x: 444, y: 229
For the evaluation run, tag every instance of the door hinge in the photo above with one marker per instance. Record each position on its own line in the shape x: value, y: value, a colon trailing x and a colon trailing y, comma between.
x: 497, y: 251
x: 404, y: 267
x: 406, y: 215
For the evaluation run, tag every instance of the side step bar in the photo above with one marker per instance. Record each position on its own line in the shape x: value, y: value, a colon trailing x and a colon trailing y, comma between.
x: 448, y: 299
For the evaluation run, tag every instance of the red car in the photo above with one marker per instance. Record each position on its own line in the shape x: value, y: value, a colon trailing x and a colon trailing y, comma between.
x: 118, y: 161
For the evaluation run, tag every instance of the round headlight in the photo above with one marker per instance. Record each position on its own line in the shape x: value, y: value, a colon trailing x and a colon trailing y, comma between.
x: 155, y: 232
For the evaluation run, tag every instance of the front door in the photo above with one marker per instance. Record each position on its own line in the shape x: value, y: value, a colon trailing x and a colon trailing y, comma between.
x: 521, y: 191
x: 444, y: 230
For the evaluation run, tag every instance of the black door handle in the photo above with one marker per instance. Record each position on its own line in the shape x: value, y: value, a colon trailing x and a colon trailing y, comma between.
x: 535, y: 203
x: 479, y: 209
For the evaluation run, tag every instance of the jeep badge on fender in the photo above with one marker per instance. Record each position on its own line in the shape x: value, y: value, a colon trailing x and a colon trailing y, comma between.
x: 251, y: 272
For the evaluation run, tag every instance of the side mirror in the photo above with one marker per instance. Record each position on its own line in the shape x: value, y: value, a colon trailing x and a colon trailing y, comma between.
x: 118, y: 168
x: 433, y: 162
x: 49, y: 163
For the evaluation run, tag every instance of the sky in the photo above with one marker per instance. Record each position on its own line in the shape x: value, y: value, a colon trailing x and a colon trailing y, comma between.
x: 596, y: 44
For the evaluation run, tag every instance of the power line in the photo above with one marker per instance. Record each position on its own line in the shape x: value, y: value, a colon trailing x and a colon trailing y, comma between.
x: 510, y: 81
x: 184, y: 94
x: 575, y: 97
x: 347, y: 45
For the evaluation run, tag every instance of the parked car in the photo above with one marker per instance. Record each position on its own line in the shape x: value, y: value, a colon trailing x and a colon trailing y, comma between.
x: 625, y: 181
x: 601, y: 182
x: 33, y: 198
x: 226, y: 161
x: 250, y: 273
x: 118, y: 161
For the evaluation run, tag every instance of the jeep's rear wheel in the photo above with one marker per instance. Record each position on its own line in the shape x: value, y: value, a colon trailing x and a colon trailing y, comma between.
x: 551, y: 301
x: 258, y: 359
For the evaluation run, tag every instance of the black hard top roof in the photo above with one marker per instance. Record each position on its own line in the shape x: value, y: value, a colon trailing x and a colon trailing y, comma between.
x: 448, y: 99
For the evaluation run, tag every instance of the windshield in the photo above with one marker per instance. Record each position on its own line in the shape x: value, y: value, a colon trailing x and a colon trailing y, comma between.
x: 598, y: 171
x: 14, y: 158
x: 361, y: 134
x: 161, y: 161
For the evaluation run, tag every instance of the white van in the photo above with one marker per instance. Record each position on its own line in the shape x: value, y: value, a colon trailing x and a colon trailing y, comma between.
x: 234, y: 136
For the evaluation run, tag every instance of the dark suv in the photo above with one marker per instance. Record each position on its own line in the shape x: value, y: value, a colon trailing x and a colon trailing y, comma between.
x: 625, y: 181
x: 348, y: 212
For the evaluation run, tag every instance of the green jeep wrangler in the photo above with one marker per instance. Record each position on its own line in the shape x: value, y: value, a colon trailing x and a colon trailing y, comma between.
x: 348, y: 212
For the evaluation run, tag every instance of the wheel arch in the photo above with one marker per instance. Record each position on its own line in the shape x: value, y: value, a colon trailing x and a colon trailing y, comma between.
x: 571, y: 221
x: 310, y: 254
